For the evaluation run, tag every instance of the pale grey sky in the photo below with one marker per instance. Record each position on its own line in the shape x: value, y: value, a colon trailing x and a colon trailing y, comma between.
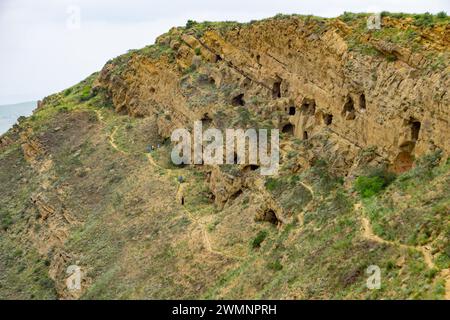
x: 42, y: 51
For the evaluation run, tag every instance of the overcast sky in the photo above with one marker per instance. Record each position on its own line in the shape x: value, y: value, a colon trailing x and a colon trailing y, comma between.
x: 43, y: 49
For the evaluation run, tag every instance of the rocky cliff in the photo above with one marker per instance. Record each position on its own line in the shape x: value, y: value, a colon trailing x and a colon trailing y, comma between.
x: 364, y: 173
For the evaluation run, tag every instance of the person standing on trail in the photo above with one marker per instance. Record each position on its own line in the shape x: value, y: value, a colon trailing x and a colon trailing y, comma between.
x: 180, y: 179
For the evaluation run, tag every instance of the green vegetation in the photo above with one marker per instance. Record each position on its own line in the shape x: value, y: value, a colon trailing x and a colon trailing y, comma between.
x: 260, y: 237
x: 199, y: 28
x: 421, y: 20
x: 369, y: 186
x: 421, y: 223
x: 85, y: 93
x: 424, y: 20
x: 350, y: 16
x: 442, y: 15
x: 275, y: 265
x: 377, y: 180
x: 411, y: 38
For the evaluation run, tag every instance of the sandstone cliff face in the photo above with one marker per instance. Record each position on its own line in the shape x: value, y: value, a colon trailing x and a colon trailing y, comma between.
x: 309, y: 78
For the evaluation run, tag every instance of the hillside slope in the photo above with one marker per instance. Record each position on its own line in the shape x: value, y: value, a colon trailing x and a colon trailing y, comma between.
x: 364, y: 173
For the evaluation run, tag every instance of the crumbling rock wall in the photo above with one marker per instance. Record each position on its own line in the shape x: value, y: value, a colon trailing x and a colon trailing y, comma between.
x: 400, y: 107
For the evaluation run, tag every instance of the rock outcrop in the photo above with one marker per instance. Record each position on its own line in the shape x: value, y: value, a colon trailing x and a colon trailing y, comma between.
x: 311, y: 79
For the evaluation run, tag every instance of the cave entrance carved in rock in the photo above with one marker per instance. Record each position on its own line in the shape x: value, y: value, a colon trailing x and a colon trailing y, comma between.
x: 362, y: 102
x: 269, y: 216
x: 327, y: 119
x: 292, y: 111
x: 348, y: 112
x: 308, y: 107
x: 288, y: 128
x: 276, y: 89
x: 238, y: 100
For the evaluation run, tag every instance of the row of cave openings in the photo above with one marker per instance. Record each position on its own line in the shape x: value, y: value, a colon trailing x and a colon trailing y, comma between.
x: 308, y: 108
x: 349, y: 110
x: 238, y: 100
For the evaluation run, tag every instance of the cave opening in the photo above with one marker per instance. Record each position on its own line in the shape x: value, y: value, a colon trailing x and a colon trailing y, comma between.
x: 206, y: 120
x: 403, y: 162
x: 238, y: 100
x: 415, y: 129
x: 308, y: 107
x: 251, y: 167
x: 292, y: 111
x: 270, y: 216
x: 349, y: 109
x: 327, y: 119
x: 236, y: 195
x: 362, y: 101
x: 288, y: 128
x: 218, y: 58
x: 182, y: 201
x: 305, y: 135
x: 236, y: 158
x: 276, y: 90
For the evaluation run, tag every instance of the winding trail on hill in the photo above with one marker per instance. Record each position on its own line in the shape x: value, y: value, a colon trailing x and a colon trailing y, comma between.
x: 205, y: 236
x: 310, y: 189
x: 424, y: 250
x: 153, y: 162
x: 370, y: 235
x: 111, y: 136
x: 99, y: 116
x: 367, y: 227
x: 112, y: 141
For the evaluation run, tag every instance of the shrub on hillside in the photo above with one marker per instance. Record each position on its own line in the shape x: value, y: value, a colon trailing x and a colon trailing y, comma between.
x: 85, y: 93
x: 424, y: 20
x: 441, y: 15
x: 190, y: 24
x: 368, y: 186
x: 260, y: 237
x: 377, y: 180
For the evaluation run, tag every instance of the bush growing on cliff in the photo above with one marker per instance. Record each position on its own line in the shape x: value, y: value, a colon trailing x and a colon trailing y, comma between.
x: 397, y: 15
x: 424, y: 20
x: 5, y: 221
x: 441, y: 15
x: 372, y: 184
x: 272, y: 184
x: 275, y: 265
x: 347, y: 16
x: 85, y: 94
x: 260, y: 237
x: 190, y: 24
x: 323, y: 176
x: 368, y: 186
x: 350, y: 16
